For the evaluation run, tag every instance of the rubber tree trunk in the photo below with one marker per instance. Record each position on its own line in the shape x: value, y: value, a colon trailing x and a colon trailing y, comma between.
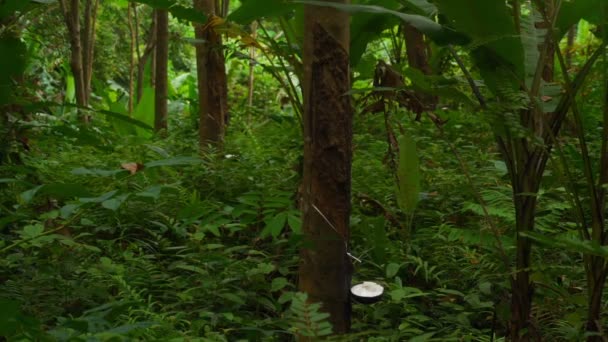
x: 162, y: 61
x: 325, y: 269
x: 212, y: 84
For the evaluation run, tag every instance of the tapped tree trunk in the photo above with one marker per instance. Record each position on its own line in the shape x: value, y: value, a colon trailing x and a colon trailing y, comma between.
x: 325, y: 268
x: 162, y: 60
x: 212, y: 84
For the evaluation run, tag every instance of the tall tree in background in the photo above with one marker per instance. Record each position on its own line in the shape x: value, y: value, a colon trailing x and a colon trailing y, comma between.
x: 418, y: 58
x: 211, y: 72
x: 325, y: 269
x: 148, y: 54
x: 82, y: 44
x: 162, y: 61
x: 133, y: 47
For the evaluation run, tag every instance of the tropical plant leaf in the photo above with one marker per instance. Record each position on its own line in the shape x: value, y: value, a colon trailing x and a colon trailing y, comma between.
x: 440, y: 34
x: 569, y: 243
x: 251, y: 10
x: 408, y: 174
x: 497, y: 48
x: 175, y: 161
x: 144, y: 111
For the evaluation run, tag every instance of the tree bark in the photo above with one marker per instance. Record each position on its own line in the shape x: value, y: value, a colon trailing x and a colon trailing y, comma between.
x: 570, y: 45
x: 325, y: 269
x: 418, y: 58
x: 162, y: 60
x: 596, y: 289
x: 82, y: 44
x: 212, y: 84
x: 522, y: 290
x: 71, y: 14
x: 88, y: 44
x: 131, y: 9
x: 143, y: 59
x: 254, y: 28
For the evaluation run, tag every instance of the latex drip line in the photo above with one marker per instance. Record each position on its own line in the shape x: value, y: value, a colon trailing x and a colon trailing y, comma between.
x: 342, y: 236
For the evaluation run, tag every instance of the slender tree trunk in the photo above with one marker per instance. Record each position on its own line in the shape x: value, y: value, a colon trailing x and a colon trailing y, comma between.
x: 570, y: 45
x: 143, y: 59
x: 522, y: 289
x: 597, y: 270
x: 418, y: 58
x: 71, y: 14
x: 325, y: 269
x: 225, y: 8
x: 133, y: 35
x: 595, y: 292
x: 88, y: 44
x: 162, y: 60
x: 254, y: 27
x: 82, y: 43
x: 212, y: 84
x: 549, y: 63
x: 526, y: 175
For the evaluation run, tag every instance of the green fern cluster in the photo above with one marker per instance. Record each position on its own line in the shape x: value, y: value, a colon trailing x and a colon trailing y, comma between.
x: 307, y: 319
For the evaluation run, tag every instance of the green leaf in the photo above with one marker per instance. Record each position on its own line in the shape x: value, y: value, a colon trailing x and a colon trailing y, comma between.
x: 175, y: 161
x: 152, y: 192
x: 28, y: 196
x: 405, y: 293
x: 440, y: 86
x: 485, y: 288
x: 9, y: 315
x: 68, y: 209
x: 392, y: 269
x: 13, y: 61
x: 98, y: 199
x: 124, y: 118
x: 56, y: 190
x: 82, y: 171
x: 278, y: 284
x: 571, y: 12
x: 435, y: 31
x: 32, y: 231
x: 144, y: 112
x: 496, y: 43
x: 408, y: 174
x: 251, y: 10
x: 367, y: 27
x: 275, y: 225
x: 422, y: 7
x: 114, y: 203
x: 70, y: 87
x: 569, y: 243
x: 295, y: 222
x: 422, y: 338
x: 188, y: 14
